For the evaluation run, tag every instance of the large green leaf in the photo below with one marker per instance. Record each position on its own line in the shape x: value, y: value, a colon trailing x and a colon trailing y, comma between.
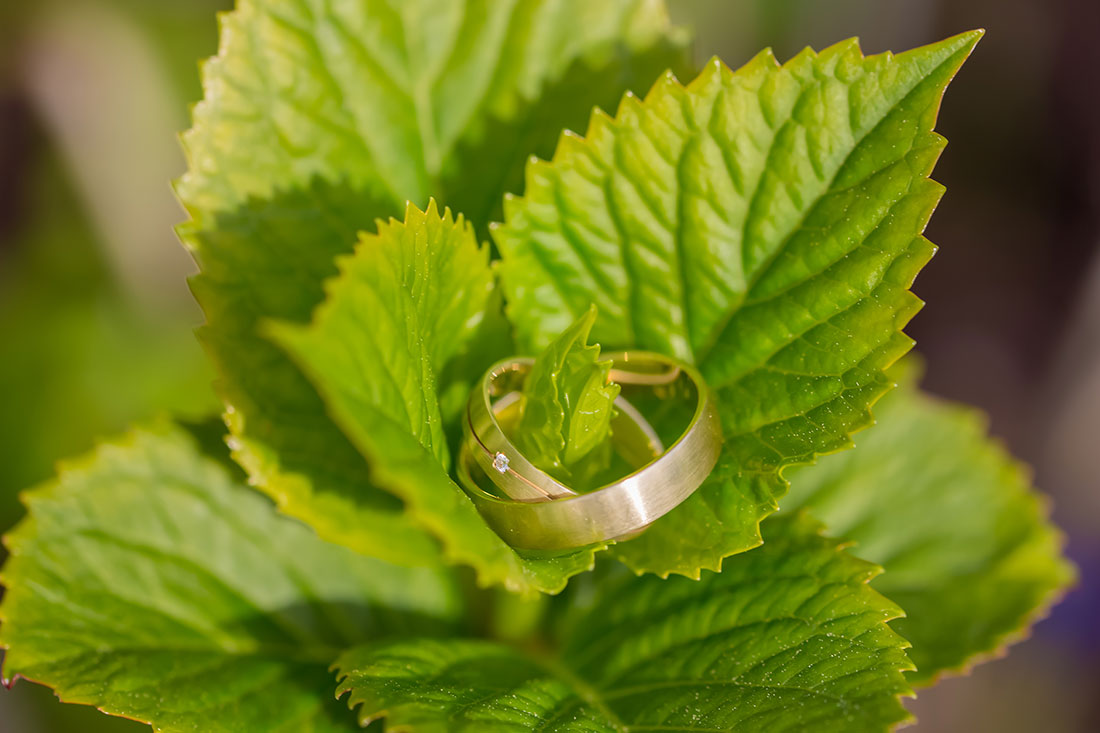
x: 955, y: 521
x: 147, y: 582
x: 381, y: 94
x: 787, y: 638
x: 765, y: 224
x: 319, y: 119
x: 400, y: 310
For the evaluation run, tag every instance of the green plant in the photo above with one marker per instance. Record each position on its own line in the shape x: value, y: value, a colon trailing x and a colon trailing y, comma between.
x: 764, y: 224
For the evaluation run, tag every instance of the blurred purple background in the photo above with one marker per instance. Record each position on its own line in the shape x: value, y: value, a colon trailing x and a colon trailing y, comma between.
x: 95, y: 317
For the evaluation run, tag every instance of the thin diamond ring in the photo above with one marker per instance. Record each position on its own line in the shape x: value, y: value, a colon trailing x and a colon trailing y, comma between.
x: 532, y: 510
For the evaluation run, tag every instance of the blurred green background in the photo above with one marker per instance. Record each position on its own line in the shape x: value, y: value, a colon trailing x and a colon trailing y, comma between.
x: 96, y: 320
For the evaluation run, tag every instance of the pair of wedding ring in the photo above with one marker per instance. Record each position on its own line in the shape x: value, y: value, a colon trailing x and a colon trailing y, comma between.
x: 530, y: 509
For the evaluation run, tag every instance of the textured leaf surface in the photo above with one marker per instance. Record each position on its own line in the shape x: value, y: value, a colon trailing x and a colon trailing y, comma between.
x: 968, y: 550
x: 567, y: 402
x: 765, y: 224
x: 381, y: 94
x: 317, y: 119
x: 402, y: 307
x: 787, y: 638
x: 267, y: 261
x: 400, y: 310
x: 145, y: 581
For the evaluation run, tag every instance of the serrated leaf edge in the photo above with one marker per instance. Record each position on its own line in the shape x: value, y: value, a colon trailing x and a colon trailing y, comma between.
x: 1041, y: 506
x: 863, y: 570
x: 571, y: 144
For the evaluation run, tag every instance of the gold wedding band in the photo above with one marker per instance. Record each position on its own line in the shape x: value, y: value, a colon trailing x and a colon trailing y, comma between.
x: 541, y: 513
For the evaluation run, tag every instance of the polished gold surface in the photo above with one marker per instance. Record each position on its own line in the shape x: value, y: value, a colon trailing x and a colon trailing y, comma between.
x: 546, y: 515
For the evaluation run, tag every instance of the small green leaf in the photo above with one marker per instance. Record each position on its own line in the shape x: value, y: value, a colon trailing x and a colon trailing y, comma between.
x: 764, y: 224
x: 567, y: 404
x: 319, y: 119
x: 146, y: 582
x: 787, y: 638
x: 969, y: 552
x: 403, y: 306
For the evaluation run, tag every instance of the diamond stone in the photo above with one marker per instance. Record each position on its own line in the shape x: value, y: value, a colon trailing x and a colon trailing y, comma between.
x: 500, y: 463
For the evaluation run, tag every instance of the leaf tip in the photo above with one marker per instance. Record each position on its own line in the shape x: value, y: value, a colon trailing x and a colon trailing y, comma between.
x: 960, y: 44
x: 767, y: 56
x: 971, y: 37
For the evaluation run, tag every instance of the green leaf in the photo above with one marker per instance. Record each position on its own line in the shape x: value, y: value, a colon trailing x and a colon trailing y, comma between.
x: 788, y: 637
x: 316, y: 121
x: 146, y: 582
x: 381, y: 95
x: 268, y: 260
x: 764, y: 224
x: 964, y: 537
x: 400, y: 310
x: 491, y: 342
x: 479, y: 173
x: 567, y: 403
x: 403, y: 305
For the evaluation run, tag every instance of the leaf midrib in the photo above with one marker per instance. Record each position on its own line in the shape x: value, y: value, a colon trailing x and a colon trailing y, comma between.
x: 595, y: 696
